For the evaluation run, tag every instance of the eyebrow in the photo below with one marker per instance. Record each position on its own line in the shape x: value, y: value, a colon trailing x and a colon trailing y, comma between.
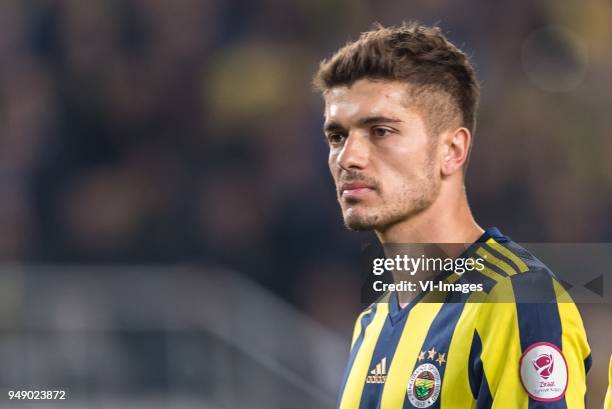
x: 369, y: 120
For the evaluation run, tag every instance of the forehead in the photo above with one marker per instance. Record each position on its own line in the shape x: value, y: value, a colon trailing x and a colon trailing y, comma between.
x: 366, y: 98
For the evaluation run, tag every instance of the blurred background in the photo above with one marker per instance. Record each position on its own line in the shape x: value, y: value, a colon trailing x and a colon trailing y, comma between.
x: 170, y: 235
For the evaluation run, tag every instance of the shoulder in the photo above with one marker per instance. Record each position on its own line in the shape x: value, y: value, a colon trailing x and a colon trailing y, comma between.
x: 381, y: 302
x: 516, y: 275
x: 366, y: 315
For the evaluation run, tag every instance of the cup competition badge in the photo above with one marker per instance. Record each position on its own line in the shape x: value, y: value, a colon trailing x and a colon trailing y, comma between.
x: 543, y: 372
x: 425, y: 383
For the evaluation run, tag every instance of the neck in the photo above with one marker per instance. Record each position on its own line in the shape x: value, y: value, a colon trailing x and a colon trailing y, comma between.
x: 448, y: 220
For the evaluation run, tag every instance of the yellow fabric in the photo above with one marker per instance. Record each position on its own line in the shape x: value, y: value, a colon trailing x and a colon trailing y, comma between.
x: 507, y: 253
x: 497, y: 326
x: 495, y: 261
x: 354, y: 383
x: 608, y: 401
x: 408, y: 350
x: 456, y: 387
x: 575, y: 348
x: 494, y: 319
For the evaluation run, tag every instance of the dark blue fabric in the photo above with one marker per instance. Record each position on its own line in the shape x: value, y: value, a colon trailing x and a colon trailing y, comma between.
x: 501, y: 257
x: 439, y: 337
x: 588, y: 361
x: 386, y: 346
x: 476, y: 376
x: 538, y: 318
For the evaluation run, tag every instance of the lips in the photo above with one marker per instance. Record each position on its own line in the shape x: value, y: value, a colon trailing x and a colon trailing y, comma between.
x: 355, y: 186
x: 355, y: 190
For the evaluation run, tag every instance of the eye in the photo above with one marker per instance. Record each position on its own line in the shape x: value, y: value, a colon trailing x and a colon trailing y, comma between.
x: 380, y: 132
x: 335, y: 138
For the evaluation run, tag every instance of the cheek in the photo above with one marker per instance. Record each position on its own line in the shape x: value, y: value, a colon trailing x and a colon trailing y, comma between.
x: 409, y: 155
x: 397, y: 176
x: 399, y: 160
x: 402, y: 169
x: 409, y: 144
x: 331, y: 162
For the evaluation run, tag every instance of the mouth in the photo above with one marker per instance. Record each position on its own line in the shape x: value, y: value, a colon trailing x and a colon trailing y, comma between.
x: 355, y: 190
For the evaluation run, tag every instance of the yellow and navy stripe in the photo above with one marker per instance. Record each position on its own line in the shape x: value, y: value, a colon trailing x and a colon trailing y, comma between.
x: 371, y: 320
x: 523, y: 304
x: 540, y: 316
x: 386, y: 346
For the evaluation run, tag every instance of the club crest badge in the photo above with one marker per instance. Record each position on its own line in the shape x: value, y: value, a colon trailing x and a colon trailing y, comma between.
x: 424, y: 386
x: 543, y: 372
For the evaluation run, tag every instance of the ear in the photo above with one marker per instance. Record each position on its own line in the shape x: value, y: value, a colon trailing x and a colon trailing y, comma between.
x: 455, y: 149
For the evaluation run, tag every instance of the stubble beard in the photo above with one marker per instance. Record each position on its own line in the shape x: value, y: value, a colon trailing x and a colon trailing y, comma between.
x: 411, y: 200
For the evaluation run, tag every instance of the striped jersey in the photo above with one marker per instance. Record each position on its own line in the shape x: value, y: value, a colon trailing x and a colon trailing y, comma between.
x: 518, y: 344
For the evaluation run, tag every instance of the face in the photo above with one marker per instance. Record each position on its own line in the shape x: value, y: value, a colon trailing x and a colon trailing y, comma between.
x: 380, y: 156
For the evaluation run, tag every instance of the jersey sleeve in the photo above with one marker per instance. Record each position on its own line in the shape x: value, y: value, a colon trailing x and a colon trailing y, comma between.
x: 608, y: 400
x: 359, y: 326
x: 529, y: 347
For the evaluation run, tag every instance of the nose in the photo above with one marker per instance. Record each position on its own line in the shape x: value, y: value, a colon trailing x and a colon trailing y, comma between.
x: 355, y: 153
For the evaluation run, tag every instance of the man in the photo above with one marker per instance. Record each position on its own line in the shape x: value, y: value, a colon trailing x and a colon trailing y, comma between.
x: 400, y: 107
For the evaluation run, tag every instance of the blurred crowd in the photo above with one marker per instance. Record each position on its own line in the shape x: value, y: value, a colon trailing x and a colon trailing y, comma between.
x: 154, y: 131
x: 187, y: 131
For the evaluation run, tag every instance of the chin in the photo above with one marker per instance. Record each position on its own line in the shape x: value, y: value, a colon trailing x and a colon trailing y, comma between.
x: 359, y: 221
x: 358, y: 225
x: 379, y: 219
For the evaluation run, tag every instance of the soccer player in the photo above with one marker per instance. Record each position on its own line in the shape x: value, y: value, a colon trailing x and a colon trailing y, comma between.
x: 400, y: 106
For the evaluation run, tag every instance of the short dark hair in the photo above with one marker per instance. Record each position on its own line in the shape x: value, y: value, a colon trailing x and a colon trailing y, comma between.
x: 441, y: 79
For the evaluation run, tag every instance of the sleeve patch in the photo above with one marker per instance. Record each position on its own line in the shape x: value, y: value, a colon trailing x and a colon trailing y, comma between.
x: 543, y: 372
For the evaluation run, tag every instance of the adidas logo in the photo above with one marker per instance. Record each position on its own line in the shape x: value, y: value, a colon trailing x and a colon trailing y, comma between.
x: 379, y: 373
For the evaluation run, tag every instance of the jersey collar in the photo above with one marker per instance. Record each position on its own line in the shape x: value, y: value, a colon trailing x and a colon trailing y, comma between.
x: 396, y: 313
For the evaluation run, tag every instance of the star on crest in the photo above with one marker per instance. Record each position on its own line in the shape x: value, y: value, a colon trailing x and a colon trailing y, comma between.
x: 431, y: 353
x: 421, y: 356
x: 441, y: 359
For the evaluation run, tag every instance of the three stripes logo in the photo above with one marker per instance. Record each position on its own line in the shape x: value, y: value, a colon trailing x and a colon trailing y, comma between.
x: 379, y: 373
